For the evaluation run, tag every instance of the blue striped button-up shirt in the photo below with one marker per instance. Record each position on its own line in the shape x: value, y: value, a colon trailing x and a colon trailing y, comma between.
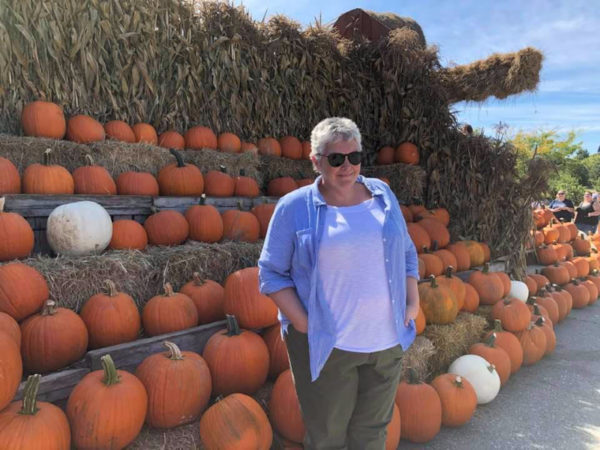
x: 290, y: 254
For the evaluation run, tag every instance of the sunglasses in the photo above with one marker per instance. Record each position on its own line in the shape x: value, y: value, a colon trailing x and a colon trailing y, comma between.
x: 337, y: 159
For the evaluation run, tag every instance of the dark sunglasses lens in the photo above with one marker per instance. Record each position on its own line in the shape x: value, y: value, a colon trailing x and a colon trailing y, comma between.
x: 354, y: 158
x: 336, y: 159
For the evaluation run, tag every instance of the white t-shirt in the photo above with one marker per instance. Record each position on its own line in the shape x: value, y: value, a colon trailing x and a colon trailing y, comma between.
x: 352, y: 271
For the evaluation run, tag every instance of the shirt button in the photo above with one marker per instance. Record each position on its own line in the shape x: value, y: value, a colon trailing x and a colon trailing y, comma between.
x: 387, y: 260
x: 383, y: 239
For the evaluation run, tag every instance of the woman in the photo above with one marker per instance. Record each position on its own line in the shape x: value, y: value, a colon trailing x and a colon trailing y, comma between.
x: 340, y: 265
x: 586, y: 214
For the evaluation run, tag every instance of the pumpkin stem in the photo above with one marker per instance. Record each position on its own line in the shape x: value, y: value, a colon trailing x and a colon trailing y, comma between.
x: 222, y: 168
x: 198, y: 280
x: 486, y: 268
x: 174, y: 352
x: 242, y: 172
x: 433, y: 282
x: 491, y: 340
x: 168, y: 290
x: 540, y: 321
x: 110, y: 371
x: 178, y: 157
x: 233, y: 328
x: 89, y: 160
x: 203, y: 199
x: 49, y: 308
x: 531, y: 300
x: 30, y: 392
x: 491, y: 368
x: 458, y: 382
x: 575, y: 282
x: 507, y: 301
x: 536, y: 310
x: 2, y: 202
x: 498, y: 325
x: 435, y: 245
x: 47, y: 156
x: 413, y: 378
x: 111, y: 288
x: 449, y: 271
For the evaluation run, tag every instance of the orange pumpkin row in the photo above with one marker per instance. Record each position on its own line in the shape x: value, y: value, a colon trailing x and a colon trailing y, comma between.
x: 406, y: 153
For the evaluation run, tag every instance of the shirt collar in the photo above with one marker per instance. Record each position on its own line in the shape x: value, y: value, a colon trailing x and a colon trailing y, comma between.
x: 318, y: 197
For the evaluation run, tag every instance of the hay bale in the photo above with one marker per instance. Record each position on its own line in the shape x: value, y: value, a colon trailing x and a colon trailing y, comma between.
x: 407, y: 182
x: 499, y: 75
x: 453, y: 340
x: 73, y: 280
x: 417, y: 357
x: 118, y: 157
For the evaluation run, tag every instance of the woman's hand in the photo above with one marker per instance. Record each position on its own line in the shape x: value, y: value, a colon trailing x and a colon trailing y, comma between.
x: 412, y: 310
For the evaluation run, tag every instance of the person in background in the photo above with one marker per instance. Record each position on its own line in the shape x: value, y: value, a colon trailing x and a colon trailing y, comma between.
x: 586, y: 214
x: 562, y: 207
x: 339, y: 263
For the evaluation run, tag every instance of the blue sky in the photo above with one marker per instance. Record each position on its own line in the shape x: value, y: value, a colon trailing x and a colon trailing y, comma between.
x: 567, y: 32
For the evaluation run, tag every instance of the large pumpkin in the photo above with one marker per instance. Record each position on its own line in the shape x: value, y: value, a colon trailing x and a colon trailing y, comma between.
x: 107, y: 408
x: 278, y: 357
x: 243, y: 299
x: 43, y: 119
x: 208, y: 296
x: 84, y: 129
x: 438, y: 302
x: 23, y: 292
x: 111, y: 318
x: 16, y: 235
x: 52, y: 339
x: 514, y: 315
x: 178, y: 386
x: 205, y: 221
x: 238, y: 360
x: 284, y: 408
x: 240, y: 226
x: 420, y: 409
x: 236, y: 422
x: 79, y: 228
x: 93, y: 180
x: 137, y: 183
x: 458, y: 399
x: 180, y: 179
x: 495, y: 355
x: 119, y: 131
x: 455, y: 284
x: 145, y: 133
x: 167, y: 227
x: 10, y: 180
x: 29, y: 424
x: 47, y: 179
x: 533, y: 342
x: 488, y: 286
x: 169, y: 312
x: 11, y: 369
x: 197, y: 138
x: 128, y: 235
x: 217, y: 183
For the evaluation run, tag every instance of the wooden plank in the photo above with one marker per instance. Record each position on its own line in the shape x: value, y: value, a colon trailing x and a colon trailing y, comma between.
x: 129, y: 355
x: 222, y: 204
x: 56, y: 386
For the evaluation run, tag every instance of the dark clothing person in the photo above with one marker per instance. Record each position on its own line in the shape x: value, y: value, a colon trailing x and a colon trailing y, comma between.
x: 564, y: 215
x: 584, y: 221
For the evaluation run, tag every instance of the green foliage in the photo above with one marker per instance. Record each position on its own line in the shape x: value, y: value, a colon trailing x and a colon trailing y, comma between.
x: 576, y: 170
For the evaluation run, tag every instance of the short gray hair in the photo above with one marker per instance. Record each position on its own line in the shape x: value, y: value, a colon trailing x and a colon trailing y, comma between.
x: 333, y: 129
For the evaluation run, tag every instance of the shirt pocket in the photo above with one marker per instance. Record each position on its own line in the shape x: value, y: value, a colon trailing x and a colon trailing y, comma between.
x: 303, y: 253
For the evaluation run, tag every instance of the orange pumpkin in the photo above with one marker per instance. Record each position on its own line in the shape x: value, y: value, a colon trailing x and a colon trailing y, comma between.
x: 171, y: 139
x: 10, y: 326
x: 119, y: 131
x: 178, y: 386
x: 546, y: 255
x: 238, y: 360
x: 476, y: 252
x: 217, y: 183
x: 306, y: 149
x: 458, y: 399
x: 385, y: 156
x: 284, y: 408
x: 198, y: 138
x: 243, y: 299
x: 23, y: 292
x: 495, y: 355
x: 471, y: 299
x: 463, y: 257
x: 93, y: 180
x: 437, y: 231
x: 111, y: 318
x: 206, y: 224
x: 512, y: 313
x: 169, y: 312
x: 16, y: 235
x: 579, y: 293
x: 167, y: 228
x: 245, y: 186
x: 269, y: 146
x: 237, y: 421
x: 208, y: 296
x: 137, y: 183
x: 107, y: 408
x: 455, y: 284
x: 52, y: 339
x: 11, y: 369
x: 488, y: 286
x: 291, y: 147
x: 448, y: 259
x: 240, y: 226
x: 229, y: 143
x: 10, y: 180
x: 47, y: 179
x: 278, y: 357
x: 420, y: 321
x: 509, y: 343
x: 43, y: 119
x: 180, y: 179
x: 263, y: 212
x: 249, y: 147
x: 438, y: 302
x: 433, y: 264
x: 128, y: 235
x: 278, y: 187
x: 145, y: 133
x: 419, y: 236
x: 533, y: 342
x: 84, y: 129
x: 407, y: 153
x: 550, y: 336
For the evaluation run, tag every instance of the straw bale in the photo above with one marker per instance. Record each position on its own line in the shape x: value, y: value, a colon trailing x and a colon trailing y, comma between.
x: 118, y: 157
x: 274, y: 167
x: 72, y: 280
x: 499, y: 75
x: 417, y: 357
x: 453, y: 340
x: 407, y: 182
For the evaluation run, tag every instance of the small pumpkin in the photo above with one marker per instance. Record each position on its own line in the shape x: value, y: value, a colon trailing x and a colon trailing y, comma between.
x: 47, y: 179
x: 463, y: 258
x: 229, y: 143
x: 171, y: 139
x: 245, y: 186
x: 208, y: 296
x: 178, y: 386
x: 43, y: 119
x: 205, y: 222
x: 546, y: 255
x: 93, y: 180
x: 52, y: 339
x: 419, y: 236
x: 579, y: 293
x: 437, y: 231
x: 23, y: 292
x: 10, y: 180
x: 240, y: 226
x: 16, y: 235
x: 107, y: 408
x: 458, y: 399
x: 385, y: 156
x: 137, y: 183
x: 169, y: 312
x: 145, y: 133
x: 217, y: 183
x: 533, y: 341
x: 198, y: 138
x: 128, y: 235
x: 306, y: 150
x: 455, y: 284
x: 11, y: 327
x: 495, y: 355
x: 487, y: 284
x: 471, y: 299
x: 476, y: 253
x: 512, y: 313
x: 111, y: 318
x: 509, y: 343
x: 407, y: 153
x: 291, y: 147
x: 84, y: 129
x: 269, y: 146
x: 11, y: 369
x: 180, y: 179
x: 284, y: 408
x: 278, y: 357
x: 278, y: 187
x: 119, y: 131
x: 167, y: 227
x: 238, y: 360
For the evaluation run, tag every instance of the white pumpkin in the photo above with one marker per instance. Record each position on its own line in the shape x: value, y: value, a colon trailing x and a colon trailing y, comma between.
x: 480, y: 373
x: 79, y: 228
x: 519, y: 290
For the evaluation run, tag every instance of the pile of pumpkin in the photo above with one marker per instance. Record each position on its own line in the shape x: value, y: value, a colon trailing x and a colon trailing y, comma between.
x: 406, y: 153
x: 46, y: 119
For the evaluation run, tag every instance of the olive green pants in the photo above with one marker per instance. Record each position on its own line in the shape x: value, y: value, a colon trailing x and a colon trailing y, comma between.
x: 351, y: 402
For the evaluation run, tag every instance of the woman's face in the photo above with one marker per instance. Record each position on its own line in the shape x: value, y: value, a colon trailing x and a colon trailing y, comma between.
x: 343, y: 176
x: 587, y: 197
